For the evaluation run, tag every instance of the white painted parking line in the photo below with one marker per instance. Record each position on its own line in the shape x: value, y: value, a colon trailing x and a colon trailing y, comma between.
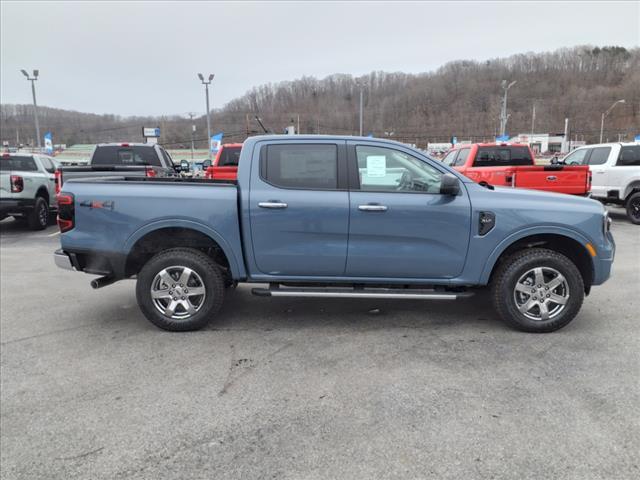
x: 53, y: 234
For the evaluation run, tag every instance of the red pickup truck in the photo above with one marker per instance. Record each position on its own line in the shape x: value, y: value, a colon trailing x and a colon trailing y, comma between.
x: 225, y: 164
x: 512, y: 165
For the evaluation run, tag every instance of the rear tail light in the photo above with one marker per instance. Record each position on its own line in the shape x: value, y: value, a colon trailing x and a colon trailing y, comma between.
x: 149, y: 172
x: 66, y: 211
x: 58, y: 179
x: 17, y: 183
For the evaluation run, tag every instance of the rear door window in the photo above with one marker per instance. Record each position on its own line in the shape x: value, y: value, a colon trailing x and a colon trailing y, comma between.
x: 18, y: 164
x: 312, y: 167
x: 629, y: 156
x: 126, y: 156
x: 599, y: 155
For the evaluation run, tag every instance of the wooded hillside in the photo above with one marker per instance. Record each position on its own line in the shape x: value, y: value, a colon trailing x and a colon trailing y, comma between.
x: 462, y: 98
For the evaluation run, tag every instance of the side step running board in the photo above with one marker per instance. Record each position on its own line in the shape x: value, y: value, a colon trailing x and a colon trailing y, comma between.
x: 406, y: 294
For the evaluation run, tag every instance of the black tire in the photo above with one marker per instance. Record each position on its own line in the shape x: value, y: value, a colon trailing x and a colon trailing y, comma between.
x: 633, y: 208
x: 518, y: 266
x: 38, y: 219
x: 209, y: 275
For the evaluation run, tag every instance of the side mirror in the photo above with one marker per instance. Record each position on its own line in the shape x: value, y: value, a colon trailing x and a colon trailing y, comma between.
x: 184, y: 166
x: 554, y: 160
x: 449, y: 185
x: 206, y: 164
x: 177, y: 168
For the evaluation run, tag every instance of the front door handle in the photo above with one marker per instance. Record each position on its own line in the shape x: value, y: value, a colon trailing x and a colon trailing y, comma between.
x: 272, y: 205
x: 372, y: 208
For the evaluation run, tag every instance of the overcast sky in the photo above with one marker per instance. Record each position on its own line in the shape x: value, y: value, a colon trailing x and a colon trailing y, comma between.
x: 141, y: 58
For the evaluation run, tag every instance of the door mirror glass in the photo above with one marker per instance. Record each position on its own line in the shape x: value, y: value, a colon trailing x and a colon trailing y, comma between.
x: 449, y: 185
x: 184, y: 165
x: 206, y: 163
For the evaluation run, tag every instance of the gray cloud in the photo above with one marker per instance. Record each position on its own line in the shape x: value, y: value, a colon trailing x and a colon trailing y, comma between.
x: 142, y: 57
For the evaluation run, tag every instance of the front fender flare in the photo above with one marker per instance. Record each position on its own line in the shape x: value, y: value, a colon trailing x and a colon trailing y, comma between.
x: 527, y: 232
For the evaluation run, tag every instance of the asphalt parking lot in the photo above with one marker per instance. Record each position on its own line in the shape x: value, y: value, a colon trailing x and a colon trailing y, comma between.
x: 290, y: 389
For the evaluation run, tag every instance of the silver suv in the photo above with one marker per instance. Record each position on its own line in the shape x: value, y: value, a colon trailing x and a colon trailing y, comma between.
x: 27, y: 188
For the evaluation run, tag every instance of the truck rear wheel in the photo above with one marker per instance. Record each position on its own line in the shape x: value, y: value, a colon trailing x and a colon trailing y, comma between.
x: 633, y: 208
x: 180, y: 289
x: 39, y: 218
x: 537, y: 290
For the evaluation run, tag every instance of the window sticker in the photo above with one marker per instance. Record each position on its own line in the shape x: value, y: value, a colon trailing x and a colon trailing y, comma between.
x: 376, y: 165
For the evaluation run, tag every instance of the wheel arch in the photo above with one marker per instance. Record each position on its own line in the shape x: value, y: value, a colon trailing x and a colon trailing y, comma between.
x: 632, y: 188
x: 568, y: 243
x: 159, y: 236
x: 43, y: 192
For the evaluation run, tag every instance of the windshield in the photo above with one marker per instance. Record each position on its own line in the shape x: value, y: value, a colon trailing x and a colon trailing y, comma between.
x: 20, y: 164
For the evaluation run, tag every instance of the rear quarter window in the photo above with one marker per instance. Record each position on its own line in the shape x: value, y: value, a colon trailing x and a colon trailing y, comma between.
x: 18, y: 164
x: 126, y: 156
x: 229, y: 157
x: 599, y: 155
x: 629, y: 156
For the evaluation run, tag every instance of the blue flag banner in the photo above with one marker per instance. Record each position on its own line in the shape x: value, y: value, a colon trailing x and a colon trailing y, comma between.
x: 215, y: 142
x: 637, y: 138
x: 370, y: 135
x: 48, y: 143
x: 502, y: 138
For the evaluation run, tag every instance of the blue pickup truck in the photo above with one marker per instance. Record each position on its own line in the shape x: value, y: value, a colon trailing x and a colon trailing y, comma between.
x: 331, y: 216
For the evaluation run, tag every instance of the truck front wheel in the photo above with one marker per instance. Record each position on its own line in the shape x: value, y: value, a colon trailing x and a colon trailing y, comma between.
x: 633, y: 208
x: 180, y: 289
x: 537, y: 290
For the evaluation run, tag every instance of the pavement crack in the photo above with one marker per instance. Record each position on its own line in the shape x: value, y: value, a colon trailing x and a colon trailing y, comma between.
x: 81, y: 455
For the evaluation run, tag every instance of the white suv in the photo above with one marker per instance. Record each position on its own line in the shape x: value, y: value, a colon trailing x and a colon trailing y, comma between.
x: 615, y: 169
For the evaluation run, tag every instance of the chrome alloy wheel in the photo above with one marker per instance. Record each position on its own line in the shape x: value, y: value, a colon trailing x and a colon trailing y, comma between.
x: 43, y: 215
x: 178, y: 292
x: 541, y: 293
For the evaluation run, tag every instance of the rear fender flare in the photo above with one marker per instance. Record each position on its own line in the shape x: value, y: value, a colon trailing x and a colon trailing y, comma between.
x: 236, y: 270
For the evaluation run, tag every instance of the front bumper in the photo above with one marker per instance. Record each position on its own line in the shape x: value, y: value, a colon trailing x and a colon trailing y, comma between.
x: 62, y: 260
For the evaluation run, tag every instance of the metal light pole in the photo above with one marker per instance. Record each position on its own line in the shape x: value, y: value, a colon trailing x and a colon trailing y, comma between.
x: 361, y: 85
x: 35, y: 105
x: 206, y: 88
x: 193, y: 131
x: 607, y: 113
x: 503, y: 112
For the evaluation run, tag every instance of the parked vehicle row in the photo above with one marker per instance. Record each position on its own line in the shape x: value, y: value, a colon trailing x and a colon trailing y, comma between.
x: 131, y: 159
x: 615, y: 168
x: 27, y: 188
x: 328, y: 216
x: 513, y: 165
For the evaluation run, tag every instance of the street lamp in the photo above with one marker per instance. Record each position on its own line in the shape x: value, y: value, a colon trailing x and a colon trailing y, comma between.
x: 206, y: 88
x: 607, y: 113
x: 503, y: 113
x: 35, y: 105
x: 362, y: 85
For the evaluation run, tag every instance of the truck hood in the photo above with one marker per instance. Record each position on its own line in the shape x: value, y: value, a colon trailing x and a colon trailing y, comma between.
x: 532, y: 199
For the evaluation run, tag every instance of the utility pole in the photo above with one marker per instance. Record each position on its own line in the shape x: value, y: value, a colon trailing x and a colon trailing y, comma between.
x: 193, y: 132
x: 206, y: 89
x: 607, y: 113
x: 503, y: 111
x: 35, y: 104
x: 533, y: 119
x: 361, y: 85
x: 565, y: 141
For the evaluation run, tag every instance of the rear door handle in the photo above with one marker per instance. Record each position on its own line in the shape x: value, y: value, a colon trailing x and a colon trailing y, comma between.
x: 272, y: 205
x: 372, y: 208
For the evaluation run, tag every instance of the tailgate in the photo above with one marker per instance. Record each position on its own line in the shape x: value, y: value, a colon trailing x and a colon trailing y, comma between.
x: 225, y: 173
x: 572, y: 180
